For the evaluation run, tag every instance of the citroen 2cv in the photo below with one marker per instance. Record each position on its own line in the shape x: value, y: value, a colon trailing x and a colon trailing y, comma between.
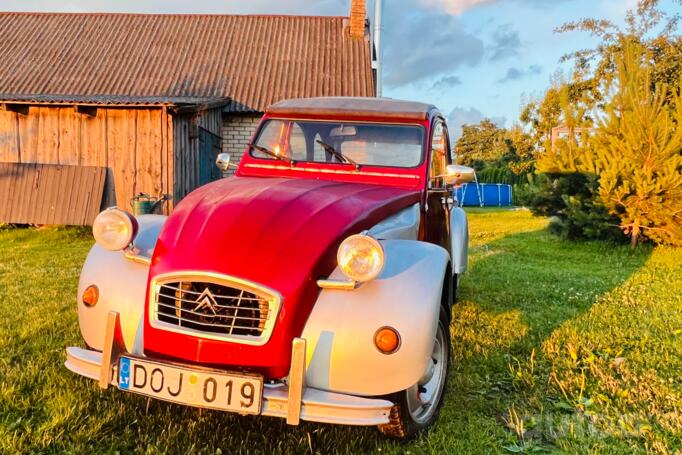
x: 315, y: 284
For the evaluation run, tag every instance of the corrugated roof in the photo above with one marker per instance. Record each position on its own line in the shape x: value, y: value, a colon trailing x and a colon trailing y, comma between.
x: 139, y: 58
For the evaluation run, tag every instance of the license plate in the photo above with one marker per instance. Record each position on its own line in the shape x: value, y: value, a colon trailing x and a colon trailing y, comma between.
x: 202, y: 388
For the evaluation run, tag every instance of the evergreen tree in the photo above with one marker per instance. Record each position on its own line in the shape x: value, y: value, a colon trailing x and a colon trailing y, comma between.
x: 638, y: 152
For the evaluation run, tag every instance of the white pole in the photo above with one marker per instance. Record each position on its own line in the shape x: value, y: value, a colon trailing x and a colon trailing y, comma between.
x: 378, y: 10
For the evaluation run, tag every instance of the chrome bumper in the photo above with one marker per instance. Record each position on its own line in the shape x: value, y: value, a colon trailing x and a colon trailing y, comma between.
x: 294, y: 402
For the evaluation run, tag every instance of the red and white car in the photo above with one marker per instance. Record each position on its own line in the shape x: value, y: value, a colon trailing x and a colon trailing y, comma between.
x: 316, y: 284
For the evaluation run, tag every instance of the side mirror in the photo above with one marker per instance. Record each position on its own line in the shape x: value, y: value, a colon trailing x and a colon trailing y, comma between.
x: 456, y: 174
x: 223, y: 161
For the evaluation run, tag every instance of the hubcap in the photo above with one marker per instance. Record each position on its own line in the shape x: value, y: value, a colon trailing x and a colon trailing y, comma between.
x: 423, y: 398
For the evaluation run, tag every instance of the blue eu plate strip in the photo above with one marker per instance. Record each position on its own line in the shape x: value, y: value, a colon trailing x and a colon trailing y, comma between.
x: 124, y: 373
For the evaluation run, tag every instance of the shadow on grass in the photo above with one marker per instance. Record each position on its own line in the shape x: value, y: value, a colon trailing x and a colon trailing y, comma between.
x: 519, y: 289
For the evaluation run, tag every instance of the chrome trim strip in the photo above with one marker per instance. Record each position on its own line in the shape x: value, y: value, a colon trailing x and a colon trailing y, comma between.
x: 134, y: 256
x: 273, y: 298
x: 330, y: 171
x: 339, y: 285
x: 246, y: 318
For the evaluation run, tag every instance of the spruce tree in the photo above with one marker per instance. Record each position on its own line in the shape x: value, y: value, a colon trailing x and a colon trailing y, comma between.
x: 638, y: 152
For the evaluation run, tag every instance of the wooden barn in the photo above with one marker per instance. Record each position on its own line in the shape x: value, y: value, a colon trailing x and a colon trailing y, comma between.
x: 150, y: 100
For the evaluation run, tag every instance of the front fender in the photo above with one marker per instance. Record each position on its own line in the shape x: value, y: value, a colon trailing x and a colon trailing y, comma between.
x: 122, y: 287
x: 407, y: 296
x: 459, y: 236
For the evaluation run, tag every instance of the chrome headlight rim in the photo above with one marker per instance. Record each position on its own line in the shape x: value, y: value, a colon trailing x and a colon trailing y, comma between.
x: 103, y: 225
x: 342, y: 261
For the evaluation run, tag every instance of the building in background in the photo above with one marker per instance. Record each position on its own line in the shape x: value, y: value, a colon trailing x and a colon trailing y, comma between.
x: 153, y: 98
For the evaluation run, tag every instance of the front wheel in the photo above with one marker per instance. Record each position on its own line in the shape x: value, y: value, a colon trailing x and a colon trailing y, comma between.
x: 417, y: 408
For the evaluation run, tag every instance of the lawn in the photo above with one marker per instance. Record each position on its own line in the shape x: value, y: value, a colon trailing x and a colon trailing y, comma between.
x: 558, y: 347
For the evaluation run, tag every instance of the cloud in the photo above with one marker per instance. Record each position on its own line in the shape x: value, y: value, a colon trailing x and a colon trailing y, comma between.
x: 454, y: 7
x: 515, y: 74
x: 461, y: 116
x: 446, y: 82
x: 506, y: 43
x: 425, y: 45
x: 339, y: 7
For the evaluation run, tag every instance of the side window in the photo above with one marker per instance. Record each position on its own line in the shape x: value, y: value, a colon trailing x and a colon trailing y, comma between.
x: 273, y: 137
x: 439, y: 159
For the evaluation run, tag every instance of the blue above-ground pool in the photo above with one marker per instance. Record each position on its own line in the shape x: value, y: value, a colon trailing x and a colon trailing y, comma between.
x: 484, y: 195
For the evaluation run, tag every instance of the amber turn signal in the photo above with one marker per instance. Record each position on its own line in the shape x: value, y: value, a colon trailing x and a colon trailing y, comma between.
x: 91, y: 295
x: 387, y: 340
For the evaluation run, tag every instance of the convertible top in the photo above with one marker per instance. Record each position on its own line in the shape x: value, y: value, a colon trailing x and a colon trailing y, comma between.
x: 379, y: 108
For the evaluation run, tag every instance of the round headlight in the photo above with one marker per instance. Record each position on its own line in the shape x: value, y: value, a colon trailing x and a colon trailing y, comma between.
x: 360, y: 257
x: 114, y: 229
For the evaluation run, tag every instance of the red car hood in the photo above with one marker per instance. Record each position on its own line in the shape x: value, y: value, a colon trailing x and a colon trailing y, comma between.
x: 280, y: 233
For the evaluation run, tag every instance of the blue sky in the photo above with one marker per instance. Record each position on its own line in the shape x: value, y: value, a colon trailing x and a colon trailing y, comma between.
x: 472, y: 58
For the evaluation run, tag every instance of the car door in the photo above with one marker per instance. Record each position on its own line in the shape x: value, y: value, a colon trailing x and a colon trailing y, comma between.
x: 437, y: 195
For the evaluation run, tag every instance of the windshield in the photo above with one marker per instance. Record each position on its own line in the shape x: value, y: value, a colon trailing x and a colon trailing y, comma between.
x: 335, y: 142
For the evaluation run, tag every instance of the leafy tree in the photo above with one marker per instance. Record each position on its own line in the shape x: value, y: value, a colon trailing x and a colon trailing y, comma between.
x: 499, y: 155
x: 481, y: 143
x: 646, y: 25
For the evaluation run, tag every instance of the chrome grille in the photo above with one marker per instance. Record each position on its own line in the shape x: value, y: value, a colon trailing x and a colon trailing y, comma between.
x: 214, y: 307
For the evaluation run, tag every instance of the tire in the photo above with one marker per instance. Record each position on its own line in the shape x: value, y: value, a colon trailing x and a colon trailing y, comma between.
x: 410, y: 415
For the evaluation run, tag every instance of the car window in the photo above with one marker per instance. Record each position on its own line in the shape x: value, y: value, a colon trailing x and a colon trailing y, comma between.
x: 365, y: 144
x: 439, y: 150
x: 297, y: 143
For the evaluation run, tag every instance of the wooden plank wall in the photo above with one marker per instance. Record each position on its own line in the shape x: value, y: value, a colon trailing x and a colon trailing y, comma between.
x: 134, y: 145
x: 50, y: 194
x: 186, y: 147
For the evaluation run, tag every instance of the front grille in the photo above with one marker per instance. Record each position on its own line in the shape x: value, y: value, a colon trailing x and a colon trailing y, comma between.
x: 214, y: 307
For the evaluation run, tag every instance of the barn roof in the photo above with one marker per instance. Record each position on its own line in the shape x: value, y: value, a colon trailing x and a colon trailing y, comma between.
x: 179, y: 59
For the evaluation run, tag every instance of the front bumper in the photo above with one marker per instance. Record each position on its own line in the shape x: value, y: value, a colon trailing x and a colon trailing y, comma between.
x: 294, y: 401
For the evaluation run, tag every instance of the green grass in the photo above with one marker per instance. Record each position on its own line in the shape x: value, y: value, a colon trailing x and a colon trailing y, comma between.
x: 558, y: 347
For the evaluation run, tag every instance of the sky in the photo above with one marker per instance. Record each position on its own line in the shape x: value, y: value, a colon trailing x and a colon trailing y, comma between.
x: 473, y: 59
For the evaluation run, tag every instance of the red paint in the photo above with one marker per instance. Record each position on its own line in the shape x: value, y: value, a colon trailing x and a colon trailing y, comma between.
x: 278, y: 232
x: 378, y: 175
x: 278, y: 226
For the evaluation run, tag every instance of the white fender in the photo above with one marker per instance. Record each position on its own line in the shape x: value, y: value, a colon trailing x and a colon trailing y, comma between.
x: 122, y: 287
x: 459, y: 239
x: 341, y: 355
x: 404, y: 225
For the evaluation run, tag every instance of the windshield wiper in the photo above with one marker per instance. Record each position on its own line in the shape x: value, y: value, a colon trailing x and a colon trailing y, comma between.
x: 340, y: 156
x: 269, y: 152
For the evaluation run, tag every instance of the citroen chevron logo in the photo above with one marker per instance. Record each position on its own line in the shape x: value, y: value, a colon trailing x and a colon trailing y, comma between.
x: 206, y: 301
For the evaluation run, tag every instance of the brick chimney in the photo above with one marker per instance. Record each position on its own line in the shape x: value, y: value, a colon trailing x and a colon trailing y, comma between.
x: 358, y: 14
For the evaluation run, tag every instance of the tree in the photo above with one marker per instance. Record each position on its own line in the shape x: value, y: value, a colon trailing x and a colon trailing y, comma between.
x: 481, y: 143
x: 638, y: 151
x: 646, y: 25
x: 627, y: 92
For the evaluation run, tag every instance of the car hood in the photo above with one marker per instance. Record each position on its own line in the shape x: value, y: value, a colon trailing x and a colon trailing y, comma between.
x: 276, y: 232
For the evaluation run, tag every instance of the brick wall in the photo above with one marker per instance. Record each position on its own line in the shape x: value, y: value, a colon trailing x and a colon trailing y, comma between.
x: 358, y: 12
x: 237, y: 131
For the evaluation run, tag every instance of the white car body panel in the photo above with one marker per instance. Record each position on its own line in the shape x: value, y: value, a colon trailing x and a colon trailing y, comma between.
x: 404, y: 225
x: 122, y: 287
x: 342, y: 356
